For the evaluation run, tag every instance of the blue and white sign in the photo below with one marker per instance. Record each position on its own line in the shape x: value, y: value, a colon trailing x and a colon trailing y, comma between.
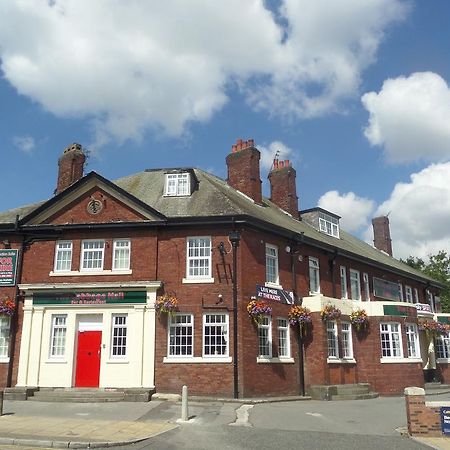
x: 445, y: 419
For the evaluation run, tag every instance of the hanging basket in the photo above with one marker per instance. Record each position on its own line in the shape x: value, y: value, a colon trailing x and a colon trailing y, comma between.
x: 167, y: 303
x: 434, y: 329
x: 7, y: 307
x: 330, y: 312
x: 359, y: 319
x: 257, y: 309
x: 300, y: 315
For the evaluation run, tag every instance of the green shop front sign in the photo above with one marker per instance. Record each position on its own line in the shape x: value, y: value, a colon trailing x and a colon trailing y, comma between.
x: 8, y: 267
x: 397, y: 310
x: 444, y: 319
x: 90, y: 298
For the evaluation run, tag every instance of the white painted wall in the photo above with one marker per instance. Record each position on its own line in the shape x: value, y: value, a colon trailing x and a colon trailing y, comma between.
x: 37, y: 368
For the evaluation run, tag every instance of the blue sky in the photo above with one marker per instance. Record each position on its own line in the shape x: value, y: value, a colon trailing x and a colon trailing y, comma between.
x: 354, y: 92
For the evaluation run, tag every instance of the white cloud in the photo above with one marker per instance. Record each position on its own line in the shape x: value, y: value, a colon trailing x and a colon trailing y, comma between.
x: 355, y: 211
x: 419, y: 213
x: 268, y: 153
x: 130, y: 66
x: 410, y: 118
x: 25, y: 144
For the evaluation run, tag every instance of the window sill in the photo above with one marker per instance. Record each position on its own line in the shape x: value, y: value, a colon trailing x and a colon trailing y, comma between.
x: 263, y: 360
x: 438, y: 360
x: 400, y: 360
x: 56, y: 361
x: 311, y: 294
x: 4, y: 359
x: 117, y: 361
x: 197, y: 280
x: 341, y: 361
x: 77, y: 273
x: 197, y: 360
x: 273, y: 285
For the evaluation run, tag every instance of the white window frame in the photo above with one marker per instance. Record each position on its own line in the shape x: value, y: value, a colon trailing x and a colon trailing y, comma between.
x: 416, y: 295
x: 119, y: 336
x: 85, y: 251
x: 265, y: 338
x: 314, y: 275
x: 218, y: 329
x: 408, y: 294
x: 412, y: 340
x: 191, y: 258
x: 430, y: 300
x: 172, y: 335
x: 61, y: 251
x: 344, y: 287
x: 328, y: 224
x: 177, y: 184
x: 272, y: 270
x: 437, y: 303
x: 59, y: 325
x: 332, y: 339
x: 347, y: 340
x: 121, y: 252
x: 442, y: 346
x: 391, y: 334
x: 401, y: 297
x: 355, y: 285
x: 366, y: 287
x: 5, y: 328
x: 284, y: 339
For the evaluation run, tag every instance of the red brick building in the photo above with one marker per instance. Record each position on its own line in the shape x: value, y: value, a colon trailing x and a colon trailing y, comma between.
x: 92, y: 269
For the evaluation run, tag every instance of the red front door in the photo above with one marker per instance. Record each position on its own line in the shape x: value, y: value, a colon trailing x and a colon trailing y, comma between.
x: 88, y: 359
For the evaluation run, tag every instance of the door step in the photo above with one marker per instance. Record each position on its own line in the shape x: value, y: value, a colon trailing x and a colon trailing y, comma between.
x: 360, y: 391
x: 436, y: 388
x: 79, y: 395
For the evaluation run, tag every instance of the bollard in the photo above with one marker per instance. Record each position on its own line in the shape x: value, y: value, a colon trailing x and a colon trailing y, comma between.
x: 184, y: 404
x: 1, y: 403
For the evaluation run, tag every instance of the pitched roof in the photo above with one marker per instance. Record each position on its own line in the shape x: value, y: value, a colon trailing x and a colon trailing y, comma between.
x: 215, y: 199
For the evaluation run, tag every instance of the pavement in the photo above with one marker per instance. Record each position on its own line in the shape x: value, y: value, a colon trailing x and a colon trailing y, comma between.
x: 78, y: 425
x: 102, y: 425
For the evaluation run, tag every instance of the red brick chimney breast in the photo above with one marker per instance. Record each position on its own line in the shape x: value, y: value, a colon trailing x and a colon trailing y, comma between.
x: 70, y: 167
x: 243, y: 169
x: 382, y: 234
x: 283, y: 189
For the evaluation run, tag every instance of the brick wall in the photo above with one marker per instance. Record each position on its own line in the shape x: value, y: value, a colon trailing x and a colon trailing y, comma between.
x: 385, y: 378
x: 423, y: 419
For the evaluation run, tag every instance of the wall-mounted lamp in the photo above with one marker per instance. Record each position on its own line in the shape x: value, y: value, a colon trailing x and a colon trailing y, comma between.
x: 6, y: 243
x: 219, y: 299
x: 221, y: 248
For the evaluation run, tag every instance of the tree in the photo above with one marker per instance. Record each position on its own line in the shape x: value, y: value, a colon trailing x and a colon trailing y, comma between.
x: 438, y: 267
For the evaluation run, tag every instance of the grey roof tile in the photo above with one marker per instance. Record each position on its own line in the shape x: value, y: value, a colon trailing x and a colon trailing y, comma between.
x: 215, y: 198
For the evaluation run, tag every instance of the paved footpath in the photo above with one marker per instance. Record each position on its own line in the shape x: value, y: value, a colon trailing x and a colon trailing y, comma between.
x: 370, y: 424
x: 77, y: 425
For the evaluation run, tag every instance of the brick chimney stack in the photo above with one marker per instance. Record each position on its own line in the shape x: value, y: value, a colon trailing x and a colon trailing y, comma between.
x: 382, y: 234
x: 70, y: 167
x: 283, y: 189
x: 243, y: 169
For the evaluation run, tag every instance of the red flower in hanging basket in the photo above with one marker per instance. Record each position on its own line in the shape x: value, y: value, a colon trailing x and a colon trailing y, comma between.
x: 7, y: 306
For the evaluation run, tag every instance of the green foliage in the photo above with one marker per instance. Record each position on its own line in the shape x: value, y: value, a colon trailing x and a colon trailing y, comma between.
x: 438, y: 267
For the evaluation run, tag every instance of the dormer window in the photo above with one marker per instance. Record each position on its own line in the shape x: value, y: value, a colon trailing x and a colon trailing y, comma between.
x: 178, y: 184
x: 328, y: 224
